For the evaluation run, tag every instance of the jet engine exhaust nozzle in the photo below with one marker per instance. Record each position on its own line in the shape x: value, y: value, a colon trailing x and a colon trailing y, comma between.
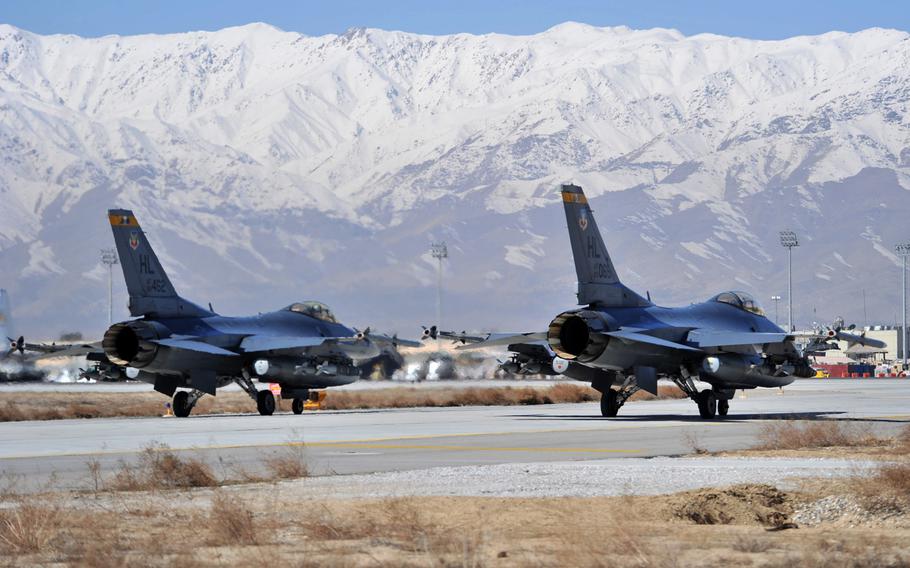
x: 132, y: 343
x: 578, y: 336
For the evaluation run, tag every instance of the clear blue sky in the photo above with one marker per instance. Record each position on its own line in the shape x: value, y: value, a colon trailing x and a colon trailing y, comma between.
x: 764, y: 19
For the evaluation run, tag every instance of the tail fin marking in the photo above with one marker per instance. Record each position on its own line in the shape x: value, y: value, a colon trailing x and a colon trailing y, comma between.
x: 151, y: 291
x: 598, y: 283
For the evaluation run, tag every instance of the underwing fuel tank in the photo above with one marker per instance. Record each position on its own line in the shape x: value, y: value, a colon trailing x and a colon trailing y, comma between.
x: 294, y: 370
x: 747, y: 369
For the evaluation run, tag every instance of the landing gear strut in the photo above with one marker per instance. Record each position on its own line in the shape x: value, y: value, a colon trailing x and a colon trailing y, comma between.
x: 710, y: 402
x: 612, y: 400
x: 184, y: 401
x: 265, y: 400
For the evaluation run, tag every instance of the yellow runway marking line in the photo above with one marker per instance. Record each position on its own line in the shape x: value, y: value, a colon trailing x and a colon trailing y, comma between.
x: 357, y: 441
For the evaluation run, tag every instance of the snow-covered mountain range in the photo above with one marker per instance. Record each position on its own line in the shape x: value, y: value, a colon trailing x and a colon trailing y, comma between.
x: 268, y: 166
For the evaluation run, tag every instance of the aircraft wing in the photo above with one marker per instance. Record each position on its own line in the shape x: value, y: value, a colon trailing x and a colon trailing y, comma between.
x: 257, y: 343
x: 195, y: 346
x: 46, y: 351
x: 823, y: 340
x: 713, y: 338
x: 394, y: 340
x: 636, y: 337
x: 498, y: 339
x: 852, y: 338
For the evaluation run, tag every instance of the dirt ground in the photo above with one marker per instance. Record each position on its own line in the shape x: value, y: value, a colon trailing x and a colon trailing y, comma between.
x: 262, y: 524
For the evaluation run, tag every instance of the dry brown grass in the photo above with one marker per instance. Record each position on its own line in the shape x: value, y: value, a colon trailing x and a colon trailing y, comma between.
x: 901, y: 444
x: 395, y: 518
x: 794, y: 435
x: 159, y: 467
x: 251, y: 525
x: 288, y: 463
x: 886, y: 489
x: 406, y: 524
x: 230, y: 521
x: 664, y: 392
x: 894, y: 478
x: 65, y: 405
x: 408, y: 397
x: 29, y: 526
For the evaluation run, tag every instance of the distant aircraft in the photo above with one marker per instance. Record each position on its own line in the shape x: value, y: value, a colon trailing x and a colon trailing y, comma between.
x: 822, y: 339
x: 178, y: 344
x: 14, y: 364
x: 6, y: 328
x: 621, y: 342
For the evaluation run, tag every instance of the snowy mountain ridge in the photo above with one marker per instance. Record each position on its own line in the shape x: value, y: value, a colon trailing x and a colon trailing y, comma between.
x: 314, y: 165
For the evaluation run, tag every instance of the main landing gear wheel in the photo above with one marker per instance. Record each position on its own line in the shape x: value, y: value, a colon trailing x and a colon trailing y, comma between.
x: 609, y: 405
x: 297, y: 406
x: 181, y: 404
x: 723, y: 407
x: 707, y: 404
x: 265, y: 402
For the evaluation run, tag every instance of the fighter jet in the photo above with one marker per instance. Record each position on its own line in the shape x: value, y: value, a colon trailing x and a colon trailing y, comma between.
x: 621, y: 342
x: 175, y: 343
x: 15, y: 364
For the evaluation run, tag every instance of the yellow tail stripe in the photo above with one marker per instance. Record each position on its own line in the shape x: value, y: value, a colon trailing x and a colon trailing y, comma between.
x: 122, y: 220
x: 569, y: 197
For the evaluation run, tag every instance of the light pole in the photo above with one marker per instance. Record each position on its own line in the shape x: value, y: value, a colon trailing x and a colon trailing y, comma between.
x: 439, y: 252
x: 109, y: 257
x: 788, y: 240
x: 903, y: 251
x: 776, y: 300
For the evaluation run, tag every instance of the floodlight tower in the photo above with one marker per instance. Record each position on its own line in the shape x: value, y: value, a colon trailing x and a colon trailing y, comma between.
x: 109, y: 257
x: 903, y: 251
x: 788, y: 240
x: 776, y: 300
x: 440, y: 252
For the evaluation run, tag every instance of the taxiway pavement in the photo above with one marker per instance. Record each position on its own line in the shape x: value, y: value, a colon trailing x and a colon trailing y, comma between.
x: 57, y: 453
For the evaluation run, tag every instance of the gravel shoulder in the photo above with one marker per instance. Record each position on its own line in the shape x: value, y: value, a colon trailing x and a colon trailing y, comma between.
x: 597, y: 478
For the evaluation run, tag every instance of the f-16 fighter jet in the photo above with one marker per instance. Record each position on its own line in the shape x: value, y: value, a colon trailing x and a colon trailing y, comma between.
x: 621, y: 342
x: 175, y: 343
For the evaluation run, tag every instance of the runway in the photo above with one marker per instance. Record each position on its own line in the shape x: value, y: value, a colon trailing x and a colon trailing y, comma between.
x: 57, y: 453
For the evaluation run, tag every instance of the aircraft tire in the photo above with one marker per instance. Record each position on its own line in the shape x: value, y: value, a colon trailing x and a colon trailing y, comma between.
x: 707, y: 404
x: 723, y: 407
x: 265, y: 402
x: 297, y: 406
x: 180, y: 404
x: 608, y: 404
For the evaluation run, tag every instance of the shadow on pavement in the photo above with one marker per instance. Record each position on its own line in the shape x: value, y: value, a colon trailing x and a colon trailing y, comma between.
x: 734, y: 418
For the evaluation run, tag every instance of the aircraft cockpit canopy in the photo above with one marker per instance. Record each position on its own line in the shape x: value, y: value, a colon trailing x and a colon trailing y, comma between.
x: 316, y: 310
x: 742, y: 300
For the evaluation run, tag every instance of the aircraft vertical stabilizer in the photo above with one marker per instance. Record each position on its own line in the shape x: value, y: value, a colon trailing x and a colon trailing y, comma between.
x: 150, y: 290
x: 598, y: 283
